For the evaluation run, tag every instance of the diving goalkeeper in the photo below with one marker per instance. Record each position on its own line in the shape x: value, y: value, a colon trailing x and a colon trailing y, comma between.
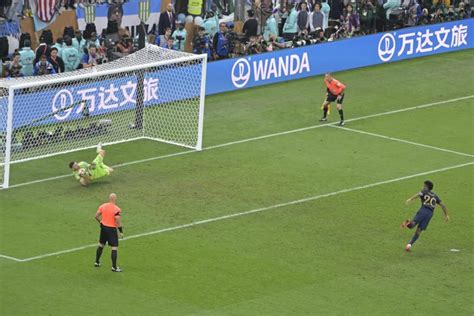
x: 88, y: 172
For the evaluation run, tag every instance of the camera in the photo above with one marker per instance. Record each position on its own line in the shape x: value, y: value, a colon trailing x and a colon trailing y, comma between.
x: 300, y: 40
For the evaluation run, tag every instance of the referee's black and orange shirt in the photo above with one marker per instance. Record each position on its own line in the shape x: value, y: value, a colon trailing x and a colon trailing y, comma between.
x: 334, y: 86
x: 108, y: 212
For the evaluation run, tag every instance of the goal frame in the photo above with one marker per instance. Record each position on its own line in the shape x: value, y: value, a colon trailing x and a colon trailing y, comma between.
x: 93, y: 74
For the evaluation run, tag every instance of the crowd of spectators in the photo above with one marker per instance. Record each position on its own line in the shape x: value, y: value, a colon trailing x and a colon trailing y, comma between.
x: 314, y: 21
x: 287, y: 25
x: 66, y: 54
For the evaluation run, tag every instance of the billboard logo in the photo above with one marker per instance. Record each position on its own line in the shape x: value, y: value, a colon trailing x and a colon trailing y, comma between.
x: 62, y: 102
x: 387, y: 46
x: 100, y: 98
x: 241, y: 73
x: 269, y: 68
x: 426, y: 41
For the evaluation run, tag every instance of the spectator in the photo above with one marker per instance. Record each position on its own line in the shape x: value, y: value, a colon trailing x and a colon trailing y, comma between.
x: 210, y: 24
x: 115, y: 14
x: 350, y: 20
x: 27, y: 58
x: 271, y: 27
x: 162, y: 40
x: 201, y: 43
x: 390, y: 5
x: 316, y: 19
x: 59, y: 45
x: 253, y: 47
x: 337, y: 8
x: 250, y: 27
x: 91, y: 59
x: 170, y: 44
x: 179, y: 36
x: 274, y: 43
x: 125, y: 45
x: 425, y: 17
x: 468, y: 8
x: 43, y: 67
x: 79, y: 43
x: 232, y: 38
x: 102, y: 51
x: 290, y: 28
x: 367, y: 16
x: 302, y: 18
x: 56, y: 61
x: 283, y: 14
x: 42, y: 49
x: 167, y: 20
x: 325, y: 10
x: 450, y: 14
x: 462, y: 12
x: 319, y: 35
x: 70, y: 55
x: 414, y: 11
x: 13, y: 68
x: 220, y: 42
x: 93, y: 40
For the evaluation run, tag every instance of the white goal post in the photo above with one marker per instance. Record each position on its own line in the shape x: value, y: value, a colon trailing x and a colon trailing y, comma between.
x: 154, y: 93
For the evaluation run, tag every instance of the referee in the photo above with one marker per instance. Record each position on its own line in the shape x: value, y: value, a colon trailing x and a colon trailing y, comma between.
x: 335, y: 92
x: 109, y: 217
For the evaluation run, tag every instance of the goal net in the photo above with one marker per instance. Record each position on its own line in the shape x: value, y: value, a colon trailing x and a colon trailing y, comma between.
x: 155, y: 94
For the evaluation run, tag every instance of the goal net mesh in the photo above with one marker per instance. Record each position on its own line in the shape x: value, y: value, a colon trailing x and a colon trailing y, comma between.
x: 154, y: 93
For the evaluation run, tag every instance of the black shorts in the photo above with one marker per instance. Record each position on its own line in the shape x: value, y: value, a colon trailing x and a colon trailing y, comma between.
x: 331, y: 98
x: 108, y: 235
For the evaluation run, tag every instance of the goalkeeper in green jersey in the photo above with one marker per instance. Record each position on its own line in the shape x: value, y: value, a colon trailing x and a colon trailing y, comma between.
x: 86, y: 172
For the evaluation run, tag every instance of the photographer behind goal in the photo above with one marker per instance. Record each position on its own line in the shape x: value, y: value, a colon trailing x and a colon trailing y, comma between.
x: 179, y: 36
x: 201, y: 43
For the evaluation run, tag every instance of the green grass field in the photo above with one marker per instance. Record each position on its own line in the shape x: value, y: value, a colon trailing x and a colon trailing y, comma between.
x: 291, y: 217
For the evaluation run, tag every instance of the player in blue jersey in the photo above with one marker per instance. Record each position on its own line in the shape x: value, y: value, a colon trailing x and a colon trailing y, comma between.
x: 422, y: 218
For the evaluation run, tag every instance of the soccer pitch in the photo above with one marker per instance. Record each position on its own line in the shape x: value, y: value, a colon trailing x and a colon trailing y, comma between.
x: 278, y: 215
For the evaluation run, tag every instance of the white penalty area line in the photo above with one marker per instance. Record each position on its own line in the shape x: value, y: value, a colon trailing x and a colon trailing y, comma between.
x: 403, y: 141
x: 257, y: 138
x: 240, y: 214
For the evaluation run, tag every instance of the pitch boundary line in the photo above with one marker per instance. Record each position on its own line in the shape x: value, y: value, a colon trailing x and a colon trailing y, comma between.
x: 403, y: 141
x: 255, y: 138
x: 245, y: 213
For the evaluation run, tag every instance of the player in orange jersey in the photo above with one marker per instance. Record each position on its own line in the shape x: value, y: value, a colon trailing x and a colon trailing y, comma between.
x: 335, y: 92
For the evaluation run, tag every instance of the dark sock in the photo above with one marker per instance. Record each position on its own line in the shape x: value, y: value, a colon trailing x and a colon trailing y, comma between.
x: 114, y: 258
x: 414, y: 238
x: 326, y: 109
x: 98, y: 254
x: 341, y: 114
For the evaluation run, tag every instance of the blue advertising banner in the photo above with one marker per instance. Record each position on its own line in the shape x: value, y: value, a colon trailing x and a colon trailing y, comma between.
x: 296, y: 63
x: 161, y: 86
x: 72, y: 102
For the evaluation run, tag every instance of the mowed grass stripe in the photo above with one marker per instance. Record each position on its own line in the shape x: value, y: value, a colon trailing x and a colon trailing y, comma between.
x: 255, y: 138
x: 245, y: 213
